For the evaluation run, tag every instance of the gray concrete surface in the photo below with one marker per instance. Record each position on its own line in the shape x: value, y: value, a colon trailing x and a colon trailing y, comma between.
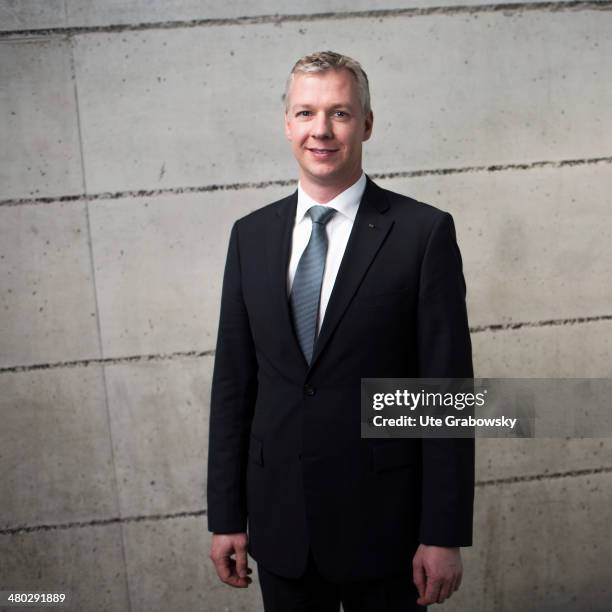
x: 169, y: 569
x: 570, y: 350
x: 33, y: 14
x: 522, y: 237
x: 556, y: 351
x: 39, y: 150
x: 151, y: 304
x: 47, y: 295
x: 144, y: 123
x: 111, y: 255
x: 550, y: 539
x: 56, y: 456
x: 525, y: 234
x: 87, y: 562
x: 159, y: 423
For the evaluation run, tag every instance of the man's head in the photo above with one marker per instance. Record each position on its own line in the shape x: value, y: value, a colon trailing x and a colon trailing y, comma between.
x: 328, y: 117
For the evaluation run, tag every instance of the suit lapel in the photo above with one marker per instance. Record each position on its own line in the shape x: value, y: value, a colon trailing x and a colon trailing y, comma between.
x: 367, y: 235
x: 369, y: 231
x: 278, y: 253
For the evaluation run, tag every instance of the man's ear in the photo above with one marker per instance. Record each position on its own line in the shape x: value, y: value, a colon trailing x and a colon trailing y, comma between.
x: 369, y: 123
x: 287, y: 127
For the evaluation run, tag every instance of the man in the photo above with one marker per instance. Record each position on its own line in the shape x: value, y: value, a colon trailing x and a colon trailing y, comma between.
x: 339, y: 281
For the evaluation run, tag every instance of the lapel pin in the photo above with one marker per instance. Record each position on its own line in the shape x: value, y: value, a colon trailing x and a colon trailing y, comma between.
x: 370, y: 225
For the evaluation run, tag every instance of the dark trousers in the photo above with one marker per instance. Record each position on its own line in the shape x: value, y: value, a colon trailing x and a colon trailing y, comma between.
x: 312, y: 593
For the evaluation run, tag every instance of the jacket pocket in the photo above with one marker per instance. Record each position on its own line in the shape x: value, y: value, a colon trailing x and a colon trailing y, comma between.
x: 389, y: 457
x: 256, y: 450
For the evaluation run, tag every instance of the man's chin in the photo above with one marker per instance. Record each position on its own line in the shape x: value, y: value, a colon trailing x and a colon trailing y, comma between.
x: 323, y: 173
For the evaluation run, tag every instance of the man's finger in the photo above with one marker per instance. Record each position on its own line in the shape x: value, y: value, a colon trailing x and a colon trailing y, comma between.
x: 458, y: 581
x: 445, y: 590
x: 418, y: 577
x: 223, y: 565
x: 227, y: 568
x: 230, y: 576
x: 432, y: 593
x: 242, y: 563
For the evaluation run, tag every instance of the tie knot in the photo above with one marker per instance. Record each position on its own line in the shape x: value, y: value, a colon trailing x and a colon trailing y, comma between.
x: 321, y: 214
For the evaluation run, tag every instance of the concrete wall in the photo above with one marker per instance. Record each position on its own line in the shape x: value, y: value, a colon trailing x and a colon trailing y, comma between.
x: 132, y: 134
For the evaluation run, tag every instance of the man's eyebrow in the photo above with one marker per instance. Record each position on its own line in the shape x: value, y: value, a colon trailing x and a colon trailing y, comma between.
x: 333, y: 106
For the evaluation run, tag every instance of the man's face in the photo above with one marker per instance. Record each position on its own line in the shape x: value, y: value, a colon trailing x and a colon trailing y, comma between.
x: 326, y: 126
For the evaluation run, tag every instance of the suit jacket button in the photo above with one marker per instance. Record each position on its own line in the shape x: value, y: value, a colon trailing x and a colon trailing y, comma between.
x: 309, y: 390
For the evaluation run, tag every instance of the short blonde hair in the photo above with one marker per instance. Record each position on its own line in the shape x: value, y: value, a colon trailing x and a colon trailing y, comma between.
x: 321, y: 61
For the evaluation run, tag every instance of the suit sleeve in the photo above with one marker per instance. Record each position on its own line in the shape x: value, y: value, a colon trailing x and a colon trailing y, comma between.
x: 233, y: 394
x: 445, y: 352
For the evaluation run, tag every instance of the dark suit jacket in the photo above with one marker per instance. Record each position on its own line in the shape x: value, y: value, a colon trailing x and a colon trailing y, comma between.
x: 285, y: 452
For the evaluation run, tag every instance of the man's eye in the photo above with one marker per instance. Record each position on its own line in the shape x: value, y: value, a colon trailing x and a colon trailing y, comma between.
x: 341, y: 113
x: 302, y: 113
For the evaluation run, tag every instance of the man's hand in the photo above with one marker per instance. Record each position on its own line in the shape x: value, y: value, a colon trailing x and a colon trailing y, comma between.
x: 233, y: 572
x: 437, y: 573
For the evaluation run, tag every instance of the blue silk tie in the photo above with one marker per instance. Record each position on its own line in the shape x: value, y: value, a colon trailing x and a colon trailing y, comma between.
x: 306, y: 289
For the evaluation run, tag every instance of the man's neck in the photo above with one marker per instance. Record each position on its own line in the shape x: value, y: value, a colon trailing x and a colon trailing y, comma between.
x: 325, y: 193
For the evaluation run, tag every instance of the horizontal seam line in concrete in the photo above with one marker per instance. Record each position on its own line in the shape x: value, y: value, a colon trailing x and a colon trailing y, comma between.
x: 507, y: 7
x: 147, y: 193
x: 544, y: 476
x: 107, y: 361
x: 210, y: 353
x: 161, y: 517
x: 546, y: 323
x: 100, y: 522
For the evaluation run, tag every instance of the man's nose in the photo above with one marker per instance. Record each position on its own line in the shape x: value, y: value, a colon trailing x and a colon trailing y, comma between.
x: 321, y: 126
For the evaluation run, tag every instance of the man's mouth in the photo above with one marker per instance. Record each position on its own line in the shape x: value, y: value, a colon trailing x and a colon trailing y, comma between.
x: 322, y: 153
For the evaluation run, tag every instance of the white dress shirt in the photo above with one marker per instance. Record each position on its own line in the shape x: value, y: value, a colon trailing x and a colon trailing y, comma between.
x: 338, y: 229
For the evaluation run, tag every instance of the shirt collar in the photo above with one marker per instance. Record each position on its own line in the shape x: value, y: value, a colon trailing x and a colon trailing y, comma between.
x: 345, y: 203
